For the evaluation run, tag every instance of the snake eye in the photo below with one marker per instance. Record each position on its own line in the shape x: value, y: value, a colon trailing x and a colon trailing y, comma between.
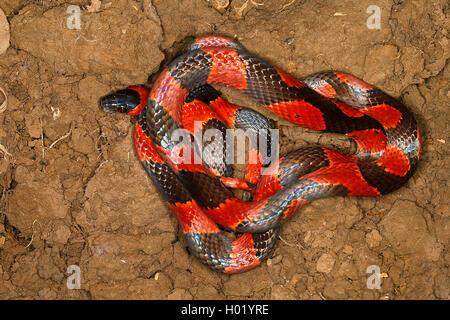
x: 122, y: 101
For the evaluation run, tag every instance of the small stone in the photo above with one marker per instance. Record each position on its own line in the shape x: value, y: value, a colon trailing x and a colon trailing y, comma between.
x: 307, y: 237
x: 220, y: 5
x: 373, y: 239
x: 347, y: 250
x: 94, y: 6
x: 325, y: 263
x: 4, y: 33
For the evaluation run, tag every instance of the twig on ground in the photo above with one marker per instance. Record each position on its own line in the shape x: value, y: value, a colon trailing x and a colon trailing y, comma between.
x: 5, y: 102
x: 59, y: 139
x: 32, y: 235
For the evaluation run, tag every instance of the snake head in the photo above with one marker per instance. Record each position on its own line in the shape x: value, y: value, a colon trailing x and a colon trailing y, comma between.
x: 130, y: 101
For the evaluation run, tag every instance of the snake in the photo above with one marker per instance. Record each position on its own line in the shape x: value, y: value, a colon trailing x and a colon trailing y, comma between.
x: 231, y: 234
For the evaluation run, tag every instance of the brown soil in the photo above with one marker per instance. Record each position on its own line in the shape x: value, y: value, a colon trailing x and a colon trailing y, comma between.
x: 74, y: 193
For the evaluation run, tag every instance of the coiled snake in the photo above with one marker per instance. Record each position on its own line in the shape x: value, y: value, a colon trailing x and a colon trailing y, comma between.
x: 199, y: 194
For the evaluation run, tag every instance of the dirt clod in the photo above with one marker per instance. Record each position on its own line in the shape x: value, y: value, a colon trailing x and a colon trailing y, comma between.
x: 325, y: 263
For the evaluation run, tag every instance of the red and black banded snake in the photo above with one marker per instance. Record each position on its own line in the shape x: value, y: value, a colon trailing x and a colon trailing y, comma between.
x: 199, y: 194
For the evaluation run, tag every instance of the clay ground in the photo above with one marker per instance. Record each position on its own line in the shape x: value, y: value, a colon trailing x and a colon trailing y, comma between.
x: 73, y: 192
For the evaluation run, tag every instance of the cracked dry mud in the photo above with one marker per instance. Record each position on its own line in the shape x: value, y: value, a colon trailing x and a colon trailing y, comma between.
x: 74, y: 193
